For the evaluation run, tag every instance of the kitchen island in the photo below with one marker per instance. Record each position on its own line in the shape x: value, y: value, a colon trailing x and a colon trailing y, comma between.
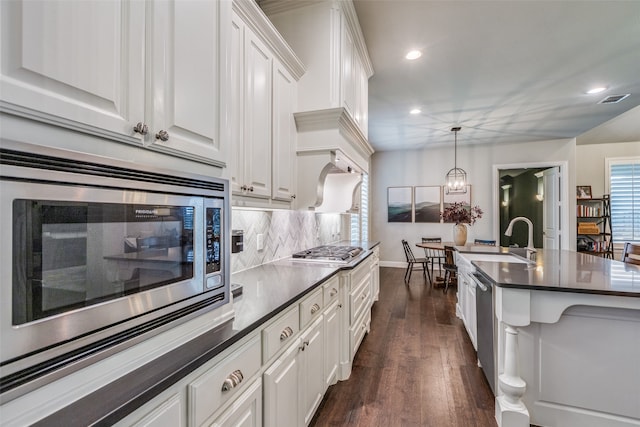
x: 567, y: 340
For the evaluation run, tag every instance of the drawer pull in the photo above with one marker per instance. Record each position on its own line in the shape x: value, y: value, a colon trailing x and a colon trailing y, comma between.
x: 333, y: 292
x: 315, y: 308
x: 286, y: 333
x: 232, y: 380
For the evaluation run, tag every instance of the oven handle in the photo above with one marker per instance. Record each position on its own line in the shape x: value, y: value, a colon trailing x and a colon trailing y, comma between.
x: 478, y: 283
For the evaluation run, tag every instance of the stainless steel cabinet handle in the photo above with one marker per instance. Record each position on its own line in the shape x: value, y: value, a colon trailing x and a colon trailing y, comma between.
x: 163, y: 135
x: 286, y: 333
x: 315, y: 308
x: 232, y: 380
x: 141, y: 128
x: 333, y: 292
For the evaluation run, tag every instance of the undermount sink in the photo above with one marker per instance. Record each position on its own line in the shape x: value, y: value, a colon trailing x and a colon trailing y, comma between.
x: 496, y: 258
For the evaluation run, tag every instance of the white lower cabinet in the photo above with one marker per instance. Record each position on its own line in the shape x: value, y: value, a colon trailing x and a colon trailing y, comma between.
x: 294, y: 384
x: 220, y: 384
x: 334, y: 310
x: 282, y: 388
x: 168, y: 414
x: 245, y: 411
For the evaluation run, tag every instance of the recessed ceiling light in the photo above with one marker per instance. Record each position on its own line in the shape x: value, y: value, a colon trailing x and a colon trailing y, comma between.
x: 596, y: 90
x: 413, y: 54
x: 415, y: 111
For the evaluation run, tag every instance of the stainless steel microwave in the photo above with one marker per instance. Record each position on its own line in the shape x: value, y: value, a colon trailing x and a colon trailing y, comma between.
x: 96, y: 253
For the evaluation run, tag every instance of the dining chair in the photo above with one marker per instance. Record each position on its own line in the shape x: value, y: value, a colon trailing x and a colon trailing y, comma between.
x: 484, y: 242
x: 450, y: 268
x: 433, y: 255
x: 411, y: 261
x: 631, y: 253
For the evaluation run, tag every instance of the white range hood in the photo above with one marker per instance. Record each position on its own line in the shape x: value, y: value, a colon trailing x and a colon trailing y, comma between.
x: 332, y: 156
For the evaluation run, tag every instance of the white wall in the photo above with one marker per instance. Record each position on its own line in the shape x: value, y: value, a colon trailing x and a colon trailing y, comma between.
x: 591, y: 160
x: 428, y: 167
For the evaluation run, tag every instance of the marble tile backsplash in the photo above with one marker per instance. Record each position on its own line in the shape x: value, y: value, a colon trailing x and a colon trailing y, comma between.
x: 284, y: 232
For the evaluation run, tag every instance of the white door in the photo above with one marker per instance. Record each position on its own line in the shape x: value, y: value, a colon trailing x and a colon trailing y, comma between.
x: 551, y: 209
x: 183, y: 74
x: 75, y: 64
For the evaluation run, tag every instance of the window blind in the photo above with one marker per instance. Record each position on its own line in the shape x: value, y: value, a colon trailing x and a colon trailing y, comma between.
x: 624, y: 188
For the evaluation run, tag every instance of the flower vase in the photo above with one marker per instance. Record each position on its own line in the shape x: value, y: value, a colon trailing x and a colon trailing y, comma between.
x: 460, y: 234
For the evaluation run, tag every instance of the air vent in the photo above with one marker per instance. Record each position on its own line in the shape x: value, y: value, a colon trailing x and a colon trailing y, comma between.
x: 613, y: 99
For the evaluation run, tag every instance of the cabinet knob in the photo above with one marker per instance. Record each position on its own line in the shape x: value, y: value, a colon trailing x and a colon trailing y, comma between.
x: 315, y: 308
x: 250, y: 188
x: 141, y: 128
x: 232, y: 380
x: 339, y: 305
x: 293, y: 196
x: 333, y: 292
x: 163, y: 135
x: 286, y: 333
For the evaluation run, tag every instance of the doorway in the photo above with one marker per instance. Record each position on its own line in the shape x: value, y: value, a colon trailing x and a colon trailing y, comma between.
x: 519, y: 190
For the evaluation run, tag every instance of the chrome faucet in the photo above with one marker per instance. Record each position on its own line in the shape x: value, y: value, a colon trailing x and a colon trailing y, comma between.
x: 530, y: 249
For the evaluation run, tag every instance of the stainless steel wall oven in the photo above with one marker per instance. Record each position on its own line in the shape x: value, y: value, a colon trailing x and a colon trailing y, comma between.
x: 98, y: 254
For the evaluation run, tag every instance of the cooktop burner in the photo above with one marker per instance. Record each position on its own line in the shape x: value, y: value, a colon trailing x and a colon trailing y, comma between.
x: 329, y: 253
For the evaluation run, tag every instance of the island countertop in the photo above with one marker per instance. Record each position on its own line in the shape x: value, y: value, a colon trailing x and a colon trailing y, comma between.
x: 566, y: 271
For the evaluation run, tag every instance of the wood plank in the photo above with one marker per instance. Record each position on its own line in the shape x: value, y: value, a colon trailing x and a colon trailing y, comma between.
x: 417, y: 366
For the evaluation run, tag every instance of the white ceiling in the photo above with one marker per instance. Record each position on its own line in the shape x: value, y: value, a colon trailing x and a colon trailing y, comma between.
x: 505, y: 71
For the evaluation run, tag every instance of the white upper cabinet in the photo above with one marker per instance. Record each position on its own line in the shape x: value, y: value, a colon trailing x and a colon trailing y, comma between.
x: 262, y: 95
x: 75, y: 64
x: 102, y: 67
x: 183, y: 78
x: 327, y: 36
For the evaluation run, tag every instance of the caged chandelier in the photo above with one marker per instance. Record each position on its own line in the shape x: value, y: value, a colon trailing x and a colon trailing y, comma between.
x: 456, y: 179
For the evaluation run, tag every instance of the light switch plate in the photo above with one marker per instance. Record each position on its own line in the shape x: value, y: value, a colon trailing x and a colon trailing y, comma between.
x: 260, y: 241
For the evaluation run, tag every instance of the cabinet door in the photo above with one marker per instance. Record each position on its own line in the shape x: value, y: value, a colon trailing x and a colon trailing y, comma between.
x: 284, y: 133
x: 257, y: 113
x: 332, y: 334
x: 312, y: 378
x: 235, y: 104
x: 347, y: 80
x: 282, y: 389
x: 246, y: 411
x: 183, y: 74
x: 75, y: 64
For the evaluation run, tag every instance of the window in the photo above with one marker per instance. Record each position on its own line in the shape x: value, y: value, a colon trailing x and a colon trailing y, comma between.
x: 360, y: 221
x: 623, y: 176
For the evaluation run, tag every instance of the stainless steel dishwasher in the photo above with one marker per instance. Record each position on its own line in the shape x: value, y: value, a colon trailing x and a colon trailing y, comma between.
x: 485, y: 323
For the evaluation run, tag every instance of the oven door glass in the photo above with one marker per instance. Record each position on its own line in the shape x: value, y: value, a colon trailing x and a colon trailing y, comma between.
x: 77, y: 254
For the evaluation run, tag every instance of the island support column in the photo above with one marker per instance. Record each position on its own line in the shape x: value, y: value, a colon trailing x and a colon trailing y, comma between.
x: 510, y: 409
x: 512, y: 309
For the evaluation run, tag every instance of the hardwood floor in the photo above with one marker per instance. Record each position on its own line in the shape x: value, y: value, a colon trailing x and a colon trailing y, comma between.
x: 417, y: 366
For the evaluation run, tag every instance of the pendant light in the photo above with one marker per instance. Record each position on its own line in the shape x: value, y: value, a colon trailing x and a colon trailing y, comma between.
x: 456, y: 179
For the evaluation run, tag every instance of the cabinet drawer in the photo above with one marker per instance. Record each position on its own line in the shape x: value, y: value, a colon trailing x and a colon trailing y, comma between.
x: 357, y: 333
x: 311, y: 308
x: 216, y: 386
x: 280, y: 333
x: 359, y: 298
x: 358, y: 273
x: 331, y: 291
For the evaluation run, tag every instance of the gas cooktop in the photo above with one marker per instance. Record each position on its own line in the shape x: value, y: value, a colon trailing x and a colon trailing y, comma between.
x: 328, y: 253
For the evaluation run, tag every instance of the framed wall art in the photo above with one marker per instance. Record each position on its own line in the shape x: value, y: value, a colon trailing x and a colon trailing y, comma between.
x: 399, y: 204
x: 583, y: 191
x: 427, y: 202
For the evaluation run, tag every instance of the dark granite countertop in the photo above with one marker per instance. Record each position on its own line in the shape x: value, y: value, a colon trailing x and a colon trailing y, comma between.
x: 268, y: 289
x: 565, y: 271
